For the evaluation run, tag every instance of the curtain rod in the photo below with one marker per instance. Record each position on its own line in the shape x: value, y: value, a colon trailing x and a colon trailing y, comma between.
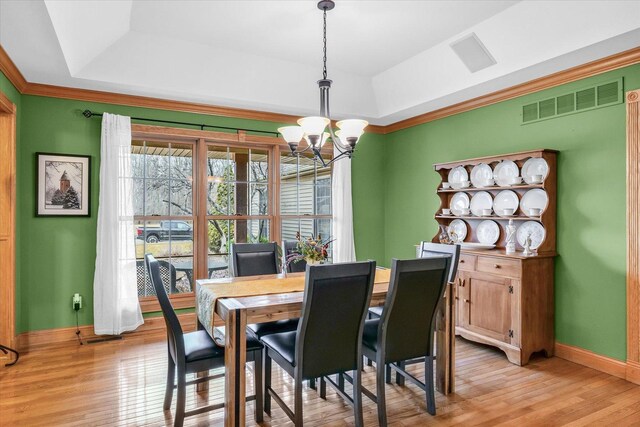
x: 88, y: 114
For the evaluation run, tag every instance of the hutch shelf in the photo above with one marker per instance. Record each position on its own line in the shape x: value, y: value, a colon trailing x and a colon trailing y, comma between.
x: 505, y: 300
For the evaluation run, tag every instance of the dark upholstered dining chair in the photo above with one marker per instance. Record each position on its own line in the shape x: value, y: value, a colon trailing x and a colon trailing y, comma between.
x: 427, y: 250
x: 405, y: 330
x: 328, y: 338
x: 290, y: 247
x: 195, y: 352
x: 255, y: 259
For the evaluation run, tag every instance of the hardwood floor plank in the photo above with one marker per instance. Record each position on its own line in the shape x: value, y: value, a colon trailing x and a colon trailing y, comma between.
x: 122, y: 384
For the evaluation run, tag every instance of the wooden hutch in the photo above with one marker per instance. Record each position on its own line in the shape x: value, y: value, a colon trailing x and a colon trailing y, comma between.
x: 505, y: 300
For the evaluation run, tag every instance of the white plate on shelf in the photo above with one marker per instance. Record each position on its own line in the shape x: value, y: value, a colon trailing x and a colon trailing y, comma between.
x: 504, y: 172
x: 534, y: 199
x: 534, y: 166
x: 471, y: 245
x: 481, y: 200
x: 488, y: 232
x: 458, y: 202
x: 536, y: 230
x: 506, y: 199
x: 459, y: 227
x: 457, y: 176
x: 480, y: 173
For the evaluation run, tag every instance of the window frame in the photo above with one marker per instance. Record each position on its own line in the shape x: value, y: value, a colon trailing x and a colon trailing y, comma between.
x: 202, y: 139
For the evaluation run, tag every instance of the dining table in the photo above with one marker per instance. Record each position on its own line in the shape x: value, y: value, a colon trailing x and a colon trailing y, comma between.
x: 234, y: 302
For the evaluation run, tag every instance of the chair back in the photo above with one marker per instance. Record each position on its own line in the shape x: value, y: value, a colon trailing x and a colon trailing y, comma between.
x: 336, y: 299
x: 408, y: 319
x: 429, y: 250
x: 290, y: 247
x: 254, y: 259
x: 167, y: 275
x: 174, y: 330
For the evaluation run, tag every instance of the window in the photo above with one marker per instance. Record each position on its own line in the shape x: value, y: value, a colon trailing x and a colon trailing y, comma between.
x: 195, y: 197
x: 305, y: 197
x: 238, y: 202
x: 163, y: 212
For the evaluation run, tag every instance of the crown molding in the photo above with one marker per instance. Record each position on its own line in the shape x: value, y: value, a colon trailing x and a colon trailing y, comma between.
x: 579, y: 72
x: 589, y: 69
x: 10, y: 70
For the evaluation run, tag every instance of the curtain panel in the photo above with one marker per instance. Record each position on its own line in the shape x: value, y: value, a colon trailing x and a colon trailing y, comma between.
x: 116, y: 308
x: 344, y: 249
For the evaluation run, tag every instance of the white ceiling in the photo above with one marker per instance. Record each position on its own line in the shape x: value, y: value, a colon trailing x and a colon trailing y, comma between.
x: 389, y: 59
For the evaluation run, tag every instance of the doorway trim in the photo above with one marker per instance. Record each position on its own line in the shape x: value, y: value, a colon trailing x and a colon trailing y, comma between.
x: 7, y: 222
x: 633, y: 235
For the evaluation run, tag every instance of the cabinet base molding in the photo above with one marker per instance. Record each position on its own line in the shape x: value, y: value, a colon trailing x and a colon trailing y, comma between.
x: 514, y: 354
x: 601, y: 363
x: 46, y: 337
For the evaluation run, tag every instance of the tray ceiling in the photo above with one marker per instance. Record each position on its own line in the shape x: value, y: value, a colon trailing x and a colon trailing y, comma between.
x: 389, y: 59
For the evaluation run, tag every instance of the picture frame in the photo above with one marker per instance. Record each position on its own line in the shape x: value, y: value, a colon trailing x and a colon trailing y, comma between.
x: 63, y: 185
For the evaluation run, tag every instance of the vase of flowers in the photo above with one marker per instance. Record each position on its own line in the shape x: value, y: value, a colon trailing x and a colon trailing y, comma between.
x: 313, y: 250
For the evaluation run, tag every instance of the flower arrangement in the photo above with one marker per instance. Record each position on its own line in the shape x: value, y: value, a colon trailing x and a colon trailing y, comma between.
x: 313, y: 250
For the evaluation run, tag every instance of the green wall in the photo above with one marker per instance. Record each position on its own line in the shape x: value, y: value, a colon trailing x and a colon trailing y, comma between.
x: 394, y: 201
x: 590, y: 270
x: 58, y: 254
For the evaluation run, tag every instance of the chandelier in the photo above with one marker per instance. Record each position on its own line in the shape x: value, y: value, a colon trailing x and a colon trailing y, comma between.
x: 317, y: 130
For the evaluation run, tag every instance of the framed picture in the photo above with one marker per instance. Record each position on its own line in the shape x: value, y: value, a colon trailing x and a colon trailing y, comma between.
x: 63, y: 185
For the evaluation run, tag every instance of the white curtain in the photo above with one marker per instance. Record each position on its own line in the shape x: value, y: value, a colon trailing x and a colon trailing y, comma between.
x: 115, y: 298
x: 344, y: 248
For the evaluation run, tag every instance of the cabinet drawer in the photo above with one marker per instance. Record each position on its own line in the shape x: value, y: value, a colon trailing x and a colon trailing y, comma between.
x: 500, y: 266
x: 467, y: 262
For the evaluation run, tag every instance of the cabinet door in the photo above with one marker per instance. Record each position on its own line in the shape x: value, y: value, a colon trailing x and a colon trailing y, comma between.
x: 486, y: 305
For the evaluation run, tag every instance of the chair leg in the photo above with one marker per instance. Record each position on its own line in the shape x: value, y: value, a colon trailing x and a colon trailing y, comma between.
x: 387, y: 371
x: 312, y: 384
x: 369, y: 361
x: 380, y: 395
x: 171, y: 377
x: 323, y: 388
x: 182, y: 394
x: 341, y: 381
x: 257, y: 385
x: 399, y: 376
x: 357, y: 397
x: 266, y: 383
x: 428, y: 380
x: 297, y: 403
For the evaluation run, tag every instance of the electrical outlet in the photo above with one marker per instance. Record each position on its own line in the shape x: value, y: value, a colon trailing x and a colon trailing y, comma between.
x: 76, y: 302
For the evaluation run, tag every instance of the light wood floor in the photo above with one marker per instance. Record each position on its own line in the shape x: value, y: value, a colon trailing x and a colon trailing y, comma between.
x: 122, y: 383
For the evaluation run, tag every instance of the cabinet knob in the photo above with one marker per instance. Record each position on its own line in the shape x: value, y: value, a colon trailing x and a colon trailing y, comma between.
x: 461, y: 261
x: 496, y: 265
x: 466, y: 300
x: 457, y: 298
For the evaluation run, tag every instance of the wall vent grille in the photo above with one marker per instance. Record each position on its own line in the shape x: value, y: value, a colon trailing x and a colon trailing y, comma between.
x: 602, y: 95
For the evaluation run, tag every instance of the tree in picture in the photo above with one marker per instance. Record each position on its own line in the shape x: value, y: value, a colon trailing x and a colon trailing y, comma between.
x: 70, y: 200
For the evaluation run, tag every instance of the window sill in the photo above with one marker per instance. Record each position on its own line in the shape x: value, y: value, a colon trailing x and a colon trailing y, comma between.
x: 151, y: 304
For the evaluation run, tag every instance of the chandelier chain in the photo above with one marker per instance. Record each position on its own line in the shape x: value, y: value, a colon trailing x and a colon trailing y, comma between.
x: 324, y: 43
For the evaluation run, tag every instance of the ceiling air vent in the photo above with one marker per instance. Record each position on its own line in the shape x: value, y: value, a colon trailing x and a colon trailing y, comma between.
x: 473, y: 53
x: 602, y: 95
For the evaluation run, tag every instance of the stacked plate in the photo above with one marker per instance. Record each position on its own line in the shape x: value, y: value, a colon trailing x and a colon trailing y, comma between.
x: 458, y: 178
x: 506, y: 203
x: 534, y: 202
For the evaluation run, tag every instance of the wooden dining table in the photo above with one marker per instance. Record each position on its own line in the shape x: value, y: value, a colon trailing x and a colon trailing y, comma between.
x: 234, y: 313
